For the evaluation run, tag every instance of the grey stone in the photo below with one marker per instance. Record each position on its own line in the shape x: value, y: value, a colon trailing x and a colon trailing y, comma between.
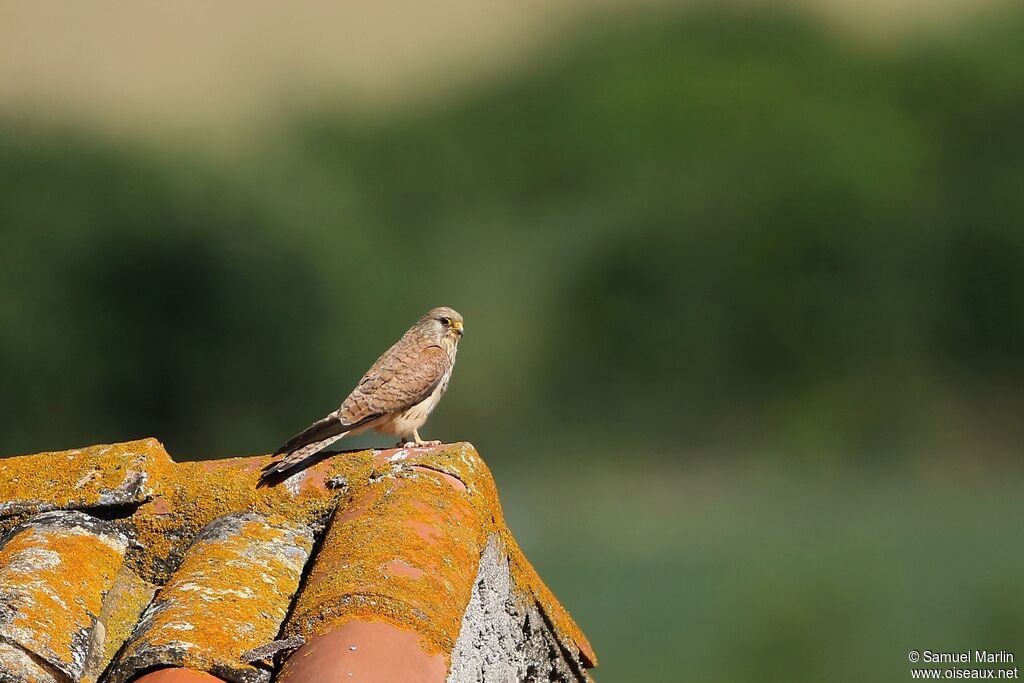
x: 504, y: 637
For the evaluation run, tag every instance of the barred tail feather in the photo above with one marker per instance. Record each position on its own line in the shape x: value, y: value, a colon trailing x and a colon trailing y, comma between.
x: 301, y: 450
x: 296, y: 460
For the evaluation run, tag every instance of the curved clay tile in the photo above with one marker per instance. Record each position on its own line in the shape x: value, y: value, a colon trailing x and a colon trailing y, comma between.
x: 178, y: 676
x: 82, y: 478
x: 230, y: 594
x: 409, y: 550
x: 55, y: 569
x: 414, y: 576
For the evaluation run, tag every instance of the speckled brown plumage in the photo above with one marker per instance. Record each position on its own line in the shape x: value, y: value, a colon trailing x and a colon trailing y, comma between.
x: 395, y: 396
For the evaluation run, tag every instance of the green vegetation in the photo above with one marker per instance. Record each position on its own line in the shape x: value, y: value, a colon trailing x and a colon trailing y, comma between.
x: 695, y: 245
x: 737, y: 576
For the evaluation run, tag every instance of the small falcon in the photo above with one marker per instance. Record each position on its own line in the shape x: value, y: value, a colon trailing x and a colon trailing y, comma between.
x: 395, y: 396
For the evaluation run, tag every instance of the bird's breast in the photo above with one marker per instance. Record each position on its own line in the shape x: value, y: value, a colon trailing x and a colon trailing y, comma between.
x: 413, y: 417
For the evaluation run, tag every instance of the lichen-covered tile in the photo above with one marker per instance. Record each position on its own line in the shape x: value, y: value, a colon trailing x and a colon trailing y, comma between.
x: 402, y: 549
x: 408, y: 548
x: 18, y: 666
x: 55, y: 569
x: 230, y: 594
x: 415, y: 533
x: 190, y: 495
x: 122, y: 609
x: 81, y: 478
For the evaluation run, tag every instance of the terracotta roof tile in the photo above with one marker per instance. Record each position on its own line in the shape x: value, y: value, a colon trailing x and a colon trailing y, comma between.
x: 82, y: 478
x: 55, y: 569
x: 243, y: 568
x: 414, y: 575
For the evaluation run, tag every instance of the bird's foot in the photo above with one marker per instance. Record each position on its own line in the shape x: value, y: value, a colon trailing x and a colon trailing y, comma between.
x: 418, y: 444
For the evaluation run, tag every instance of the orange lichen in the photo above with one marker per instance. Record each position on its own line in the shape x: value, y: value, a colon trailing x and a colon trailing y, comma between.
x: 177, y: 675
x: 403, y: 546
x: 80, y: 478
x: 464, y: 463
x: 122, y: 608
x: 351, y: 579
x: 55, y: 578
x: 176, y: 500
x: 431, y: 510
x: 229, y: 595
x: 188, y: 496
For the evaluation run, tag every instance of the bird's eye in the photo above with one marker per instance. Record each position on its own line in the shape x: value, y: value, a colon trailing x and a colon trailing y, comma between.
x: 445, y: 321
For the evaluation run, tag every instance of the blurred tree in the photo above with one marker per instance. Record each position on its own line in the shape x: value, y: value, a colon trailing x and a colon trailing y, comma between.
x: 736, y: 226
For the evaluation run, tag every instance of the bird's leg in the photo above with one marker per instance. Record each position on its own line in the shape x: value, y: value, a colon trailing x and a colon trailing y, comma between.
x: 421, y: 442
x: 417, y: 442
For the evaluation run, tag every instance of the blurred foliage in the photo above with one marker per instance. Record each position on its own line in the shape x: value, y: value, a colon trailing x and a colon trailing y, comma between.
x: 737, y: 575
x: 722, y: 226
x: 715, y: 233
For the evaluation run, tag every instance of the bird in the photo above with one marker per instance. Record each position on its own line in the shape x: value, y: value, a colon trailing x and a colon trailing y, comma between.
x: 395, y: 396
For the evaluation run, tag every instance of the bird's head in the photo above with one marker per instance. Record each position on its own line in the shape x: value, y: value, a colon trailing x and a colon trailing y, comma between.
x: 444, y: 322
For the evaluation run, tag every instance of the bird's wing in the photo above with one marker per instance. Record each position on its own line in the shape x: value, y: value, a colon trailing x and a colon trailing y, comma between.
x: 405, y: 375
x: 400, y: 379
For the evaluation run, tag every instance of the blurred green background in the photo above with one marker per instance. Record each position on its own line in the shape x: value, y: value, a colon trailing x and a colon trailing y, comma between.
x: 744, y: 293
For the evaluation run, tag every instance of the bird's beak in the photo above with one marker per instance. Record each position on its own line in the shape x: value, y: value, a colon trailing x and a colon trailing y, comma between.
x: 457, y: 326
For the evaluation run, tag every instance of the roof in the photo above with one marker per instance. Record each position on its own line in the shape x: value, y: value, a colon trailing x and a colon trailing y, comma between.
x: 118, y: 564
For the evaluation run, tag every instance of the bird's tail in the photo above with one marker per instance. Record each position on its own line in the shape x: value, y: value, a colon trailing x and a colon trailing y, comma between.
x: 294, y: 461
